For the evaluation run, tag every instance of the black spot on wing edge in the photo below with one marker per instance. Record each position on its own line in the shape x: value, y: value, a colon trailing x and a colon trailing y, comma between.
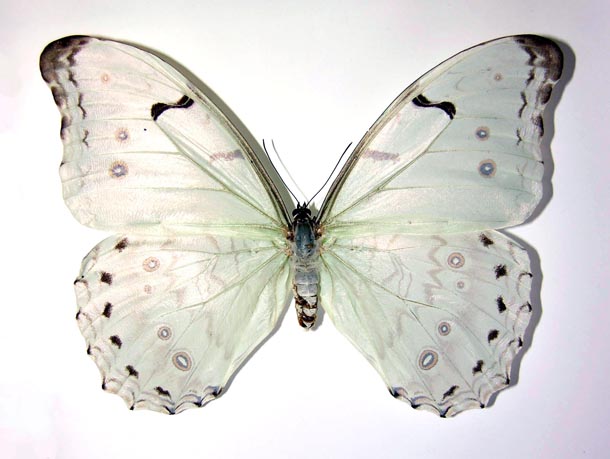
x: 114, y: 339
x: 107, y: 310
x: 478, y: 368
x: 500, y: 271
x: 132, y: 371
x: 157, y: 109
x: 162, y: 391
x: 485, y: 240
x: 122, y: 244
x: 493, y: 334
x: 106, y: 278
x: 501, y: 305
x: 450, y: 392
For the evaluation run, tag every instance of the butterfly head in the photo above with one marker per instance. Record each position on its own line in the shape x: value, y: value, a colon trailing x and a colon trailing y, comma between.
x: 302, y: 213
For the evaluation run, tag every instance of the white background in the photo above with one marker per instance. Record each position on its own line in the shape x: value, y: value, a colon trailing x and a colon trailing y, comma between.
x: 312, y: 75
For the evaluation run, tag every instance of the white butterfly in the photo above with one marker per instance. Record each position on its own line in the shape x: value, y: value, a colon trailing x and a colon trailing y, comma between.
x: 403, y: 255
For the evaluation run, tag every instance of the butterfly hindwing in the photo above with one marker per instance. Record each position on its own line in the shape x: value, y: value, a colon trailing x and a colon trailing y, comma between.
x: 440, y: 317
x: 168, y: 321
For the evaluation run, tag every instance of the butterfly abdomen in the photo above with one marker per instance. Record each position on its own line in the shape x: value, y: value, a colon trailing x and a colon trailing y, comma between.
x: 306, y: 258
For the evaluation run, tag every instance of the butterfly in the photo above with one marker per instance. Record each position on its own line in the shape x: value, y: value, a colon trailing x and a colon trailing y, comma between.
x: 403, y: 255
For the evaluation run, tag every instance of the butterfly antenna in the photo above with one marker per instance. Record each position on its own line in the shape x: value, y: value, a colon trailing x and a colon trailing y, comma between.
x: 276, y: 171
x: 331, y: 174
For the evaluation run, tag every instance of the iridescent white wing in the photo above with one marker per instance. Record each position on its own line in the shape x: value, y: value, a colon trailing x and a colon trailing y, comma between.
x: 439, y: 317
x: 171, y: 310
x: 458, y: 150
x: 411, y: 274
x: 146, y: 151
x: 169, y: 320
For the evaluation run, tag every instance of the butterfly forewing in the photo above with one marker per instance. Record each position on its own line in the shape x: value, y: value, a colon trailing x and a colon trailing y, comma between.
x: 459, y: 150
x: 143, y: 148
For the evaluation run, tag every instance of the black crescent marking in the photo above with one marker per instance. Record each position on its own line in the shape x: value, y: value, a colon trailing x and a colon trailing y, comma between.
x: 493, y: 334
x: 132, y: 371
x: 500, y: 271
x: 478, y: 368
x: 114, y: 339
x: 122, y: 244
x: 501, y: 305
x: 450, y: 392
x: 106, y: 278
x: 162, y: 391
x: 157, y: 109
x: 107, y: 310
x: 485, y: 240
x: 447, y: 107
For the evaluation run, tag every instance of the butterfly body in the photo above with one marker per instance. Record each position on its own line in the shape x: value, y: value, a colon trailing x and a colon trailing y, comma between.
x: 306, y: 262
x: 403, y: 256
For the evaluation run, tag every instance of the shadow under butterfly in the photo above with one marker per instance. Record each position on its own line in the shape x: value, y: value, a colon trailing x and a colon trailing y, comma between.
x: 403, y: 255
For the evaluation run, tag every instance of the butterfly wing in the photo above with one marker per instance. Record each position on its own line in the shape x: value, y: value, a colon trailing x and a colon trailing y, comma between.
x: 411, y: 272
x: 439, y: 317
x: 145, y: 151
x: 170, y: 310
x: 169, y: 320
x: 458, y: 150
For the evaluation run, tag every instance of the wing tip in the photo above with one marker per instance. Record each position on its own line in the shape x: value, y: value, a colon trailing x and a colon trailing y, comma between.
x: 543, y: 52
x: 56, y: 51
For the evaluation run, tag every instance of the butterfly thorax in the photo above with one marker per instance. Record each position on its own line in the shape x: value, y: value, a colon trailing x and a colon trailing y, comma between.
x: 305, y: 257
